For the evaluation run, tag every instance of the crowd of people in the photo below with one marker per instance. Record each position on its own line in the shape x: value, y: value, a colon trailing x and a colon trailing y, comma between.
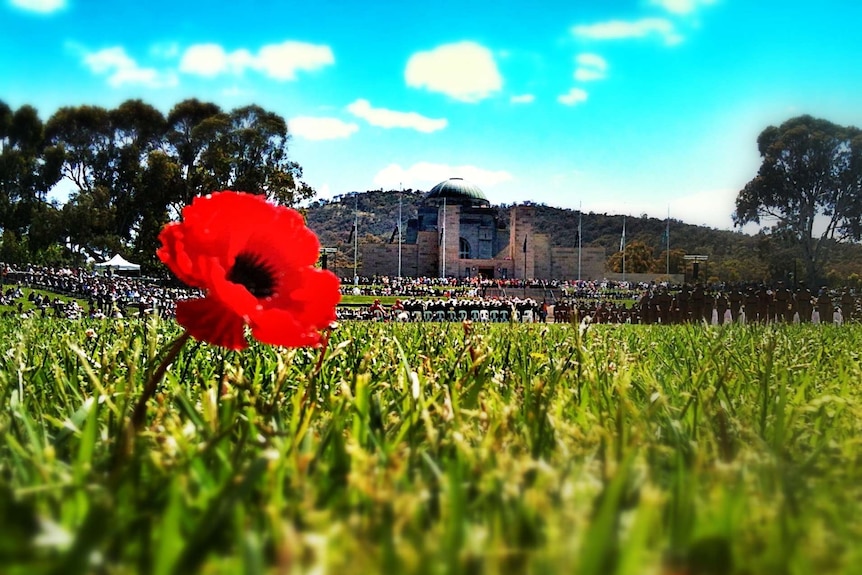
x: 425, y: 286
x: 107, y: 295
x: 451, y: 299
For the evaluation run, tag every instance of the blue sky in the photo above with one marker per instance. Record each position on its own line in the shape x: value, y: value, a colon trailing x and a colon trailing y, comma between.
x: 619, y: 106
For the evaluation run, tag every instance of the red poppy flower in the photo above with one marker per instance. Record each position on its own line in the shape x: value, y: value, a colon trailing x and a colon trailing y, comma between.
x: 254, y: 261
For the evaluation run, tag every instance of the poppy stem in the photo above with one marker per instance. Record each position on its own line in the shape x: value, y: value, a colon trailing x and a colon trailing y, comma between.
x: 140, y: 410
x: 311, y: 390
x: 127, y: 432
x: 323, y: 349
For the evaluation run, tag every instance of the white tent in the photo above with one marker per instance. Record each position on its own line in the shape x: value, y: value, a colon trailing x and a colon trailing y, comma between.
x: 118, y: 263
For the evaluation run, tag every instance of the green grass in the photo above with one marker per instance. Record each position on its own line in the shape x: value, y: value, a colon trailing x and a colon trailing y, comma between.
x: 428, y: 448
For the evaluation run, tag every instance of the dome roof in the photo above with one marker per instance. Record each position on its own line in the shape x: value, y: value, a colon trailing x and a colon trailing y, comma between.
x: 458, y: 191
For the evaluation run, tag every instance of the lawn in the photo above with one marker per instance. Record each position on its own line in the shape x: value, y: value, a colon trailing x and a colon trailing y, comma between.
x: 434, y: 448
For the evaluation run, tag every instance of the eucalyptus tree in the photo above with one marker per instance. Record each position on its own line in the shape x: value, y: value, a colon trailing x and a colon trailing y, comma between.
x: 28, y: 170
x: 257, y: 150
x: 244, y: 149
x: 809, y: 187
x: 638, y: 258
x: 193, y: 128
x: 138, y: 129
x: 161, y: 183
x: 133, y: 169
x: 104, y: 155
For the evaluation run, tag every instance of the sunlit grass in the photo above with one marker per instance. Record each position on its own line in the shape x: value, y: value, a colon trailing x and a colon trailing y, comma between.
x: 431, y: 448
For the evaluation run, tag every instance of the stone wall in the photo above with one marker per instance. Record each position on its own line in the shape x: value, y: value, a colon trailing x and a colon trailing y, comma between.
x: 427, y: 254
x: 382, y: 259
x: 542, y: 256
x: 564, y: 263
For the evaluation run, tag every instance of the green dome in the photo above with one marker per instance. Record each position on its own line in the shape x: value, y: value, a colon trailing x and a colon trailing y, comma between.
x: 458, y: 191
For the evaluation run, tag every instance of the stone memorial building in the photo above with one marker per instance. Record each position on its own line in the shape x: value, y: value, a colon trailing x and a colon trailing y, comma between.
x: 457, y: 234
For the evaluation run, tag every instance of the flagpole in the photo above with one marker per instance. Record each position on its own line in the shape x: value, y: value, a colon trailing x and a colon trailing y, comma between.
x: 623, y: 242
x: 580, y: 217
x: 355, y: 239
x: 443, y: 268
x: 400, y: 194
x: 667, y: 246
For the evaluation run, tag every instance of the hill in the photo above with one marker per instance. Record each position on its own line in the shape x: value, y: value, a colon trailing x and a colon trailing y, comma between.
x: 733, y: 256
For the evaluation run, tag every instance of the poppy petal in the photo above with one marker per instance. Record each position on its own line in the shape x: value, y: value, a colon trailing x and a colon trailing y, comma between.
x: 223, y: 222
x: 317, y: 297
x: 206, y: 319
x: 236, y: 299
x: 280, y: 327
x: 174, y: 255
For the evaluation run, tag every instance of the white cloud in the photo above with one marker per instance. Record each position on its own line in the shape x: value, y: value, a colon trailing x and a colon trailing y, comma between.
x: 204, y: 60
x: 391, y: 119
x: 623, y: 29
x: 41, y: 6
x: 281, y: 61
x: 122, y: 69
x: 211, y: 60
x: 278, y: 61
x: 426, y: 174
x: 590, y: 67
x: 312, y: 128
x: 465, y: 71
x: 680, y: 6
x: 522, y: 99
x: 573, y: 97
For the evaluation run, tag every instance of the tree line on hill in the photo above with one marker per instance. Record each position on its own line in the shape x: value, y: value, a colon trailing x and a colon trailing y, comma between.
x: 733, y: 255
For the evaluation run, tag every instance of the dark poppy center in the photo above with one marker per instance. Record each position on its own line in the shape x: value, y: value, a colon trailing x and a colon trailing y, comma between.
x: 253, y: 274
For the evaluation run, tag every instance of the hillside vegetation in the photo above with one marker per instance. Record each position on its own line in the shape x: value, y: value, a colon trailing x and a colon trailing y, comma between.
x: 733, y: 256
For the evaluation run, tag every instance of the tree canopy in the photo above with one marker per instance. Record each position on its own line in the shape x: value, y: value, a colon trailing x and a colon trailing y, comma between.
x: 132, y: 169
x: 809, y: 187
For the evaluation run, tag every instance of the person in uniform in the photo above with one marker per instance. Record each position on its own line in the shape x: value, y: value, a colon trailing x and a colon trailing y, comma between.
x: 663, y: 303
x: 764, y: 301
x: 848, y: 305
x: 824, y: 306
x: 783, y: 309
x: 803, y: 304
x: 644, y: 303
x: 722, y: 303
x: 735, y: 299
x: 697, y: 302
x: 750, y: 305
x: 683, y: 304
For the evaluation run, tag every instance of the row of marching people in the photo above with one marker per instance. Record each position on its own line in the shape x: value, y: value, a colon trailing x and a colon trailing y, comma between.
x: 736, y: 303
x: 454, y: 309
